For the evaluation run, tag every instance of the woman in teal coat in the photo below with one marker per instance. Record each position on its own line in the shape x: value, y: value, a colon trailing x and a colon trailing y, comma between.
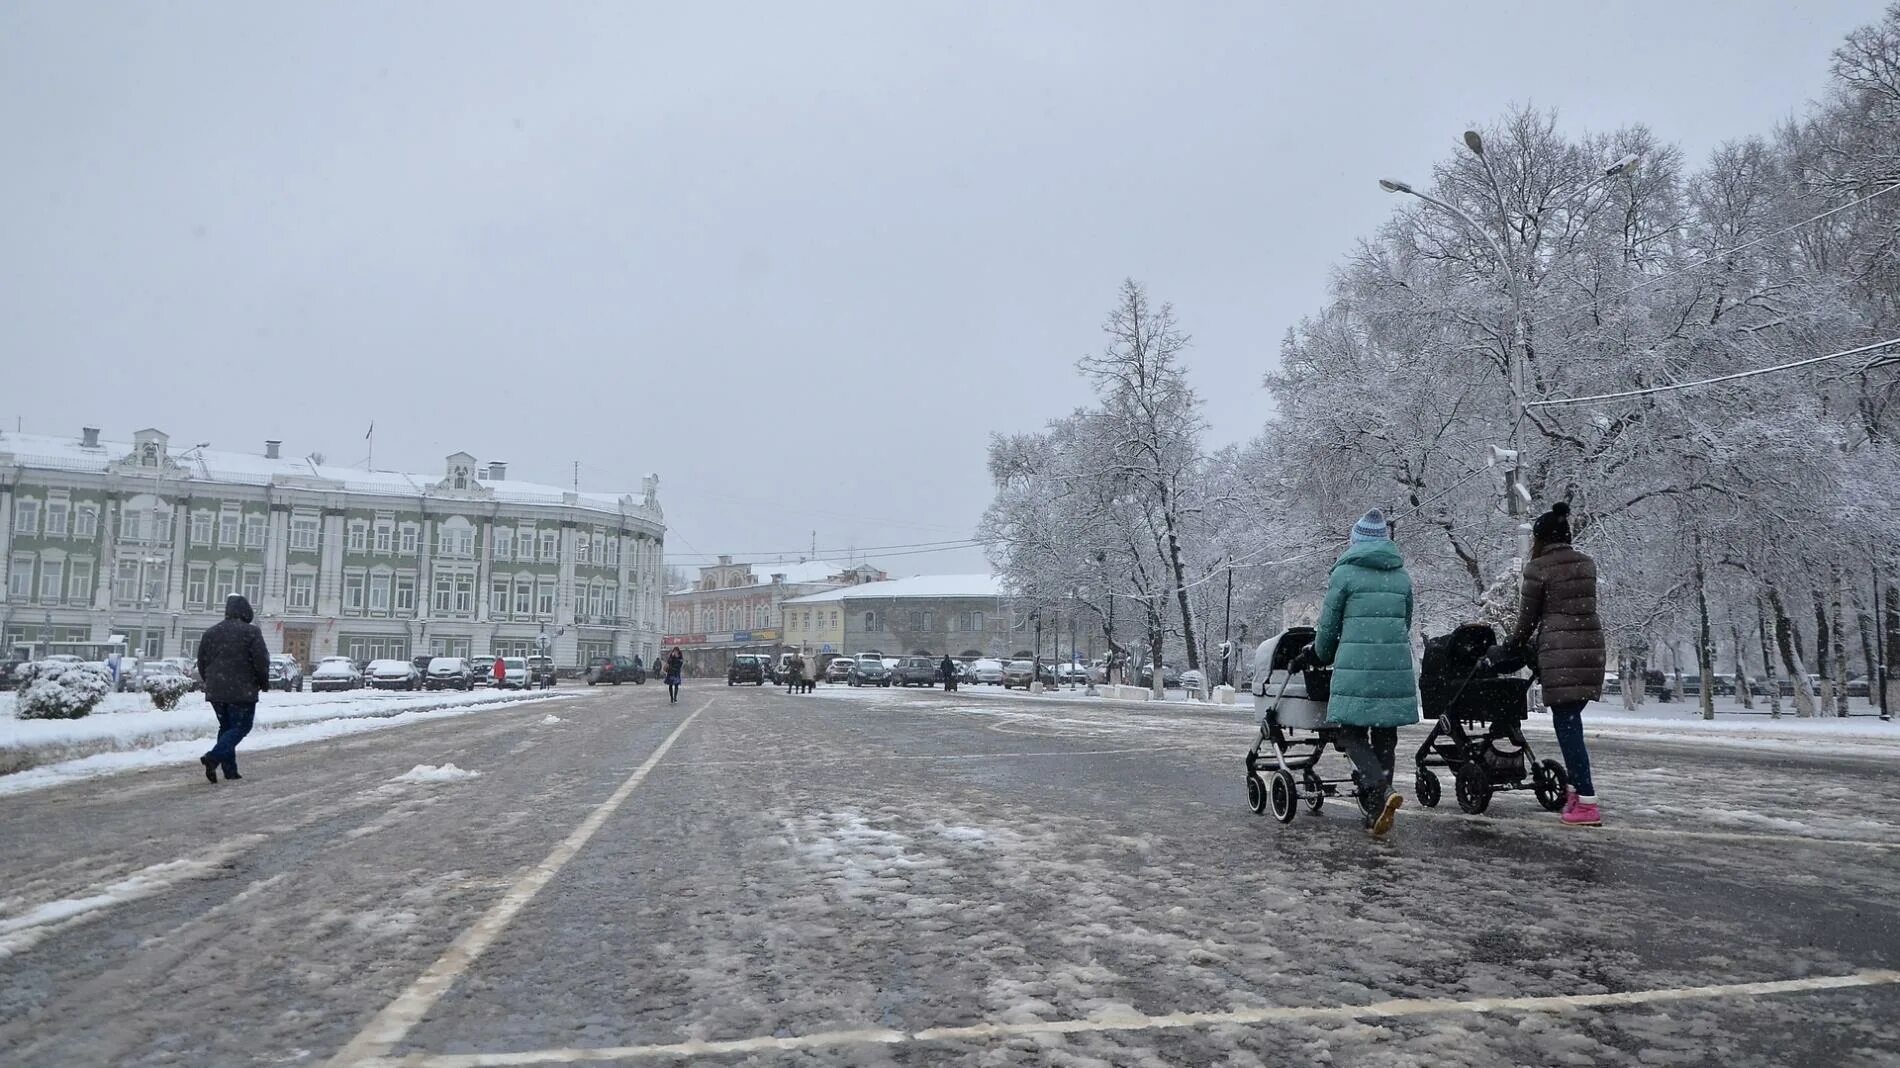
x: 1365, y: 634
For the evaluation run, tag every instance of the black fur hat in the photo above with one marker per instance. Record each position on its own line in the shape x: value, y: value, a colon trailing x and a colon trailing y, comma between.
x: 1553, y: 527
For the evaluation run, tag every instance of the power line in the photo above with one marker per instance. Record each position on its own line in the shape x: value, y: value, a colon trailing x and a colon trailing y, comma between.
x: 814, y: 552
x: 1632, y: 393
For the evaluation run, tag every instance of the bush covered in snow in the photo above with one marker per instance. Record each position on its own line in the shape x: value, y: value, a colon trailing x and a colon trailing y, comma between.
x: 165, y: 690
x: 58, y: 690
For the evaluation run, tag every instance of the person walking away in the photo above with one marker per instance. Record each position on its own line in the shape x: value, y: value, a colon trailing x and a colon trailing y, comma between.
x: 675, y: 667
x: 234, y: 664
x: 794, y: 673
x: 1365, y: 634
x: 500, y: 672
x: 1559, y: 609
x: 948, y: 669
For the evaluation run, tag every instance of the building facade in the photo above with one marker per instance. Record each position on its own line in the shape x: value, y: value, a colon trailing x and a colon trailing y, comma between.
x: 962, y: 615
x: 734, y: 608
x: 102, y: 538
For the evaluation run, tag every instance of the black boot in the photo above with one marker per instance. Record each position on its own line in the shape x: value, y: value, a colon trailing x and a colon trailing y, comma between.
x: 211, y: 769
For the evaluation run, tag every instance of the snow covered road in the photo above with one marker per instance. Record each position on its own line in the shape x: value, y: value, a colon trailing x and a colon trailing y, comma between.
x: 870, y: 878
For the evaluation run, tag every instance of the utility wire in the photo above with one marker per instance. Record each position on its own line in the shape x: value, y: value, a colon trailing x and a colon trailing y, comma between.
x: 1632, y: 393
x: 809, y: 553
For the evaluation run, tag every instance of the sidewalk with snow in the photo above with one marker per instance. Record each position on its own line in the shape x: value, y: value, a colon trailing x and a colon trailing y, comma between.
x: 127, y: 732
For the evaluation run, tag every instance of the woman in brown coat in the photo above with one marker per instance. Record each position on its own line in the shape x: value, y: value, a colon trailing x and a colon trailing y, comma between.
x: 1559, y: 609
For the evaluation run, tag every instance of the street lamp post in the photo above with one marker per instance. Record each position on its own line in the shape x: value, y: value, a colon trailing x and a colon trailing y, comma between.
x: 1517, y: 495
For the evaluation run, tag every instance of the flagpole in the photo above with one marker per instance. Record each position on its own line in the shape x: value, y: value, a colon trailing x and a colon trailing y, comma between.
x: 370, y: 464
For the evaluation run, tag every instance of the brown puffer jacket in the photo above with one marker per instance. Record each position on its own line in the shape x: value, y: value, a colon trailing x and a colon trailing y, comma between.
x: 1560, y: 608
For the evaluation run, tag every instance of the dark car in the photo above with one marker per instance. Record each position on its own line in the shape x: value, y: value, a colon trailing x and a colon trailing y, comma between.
x: 448, y: 673
x: 285, y: 672
x: 422, y: 664
x: 7, y: 667
x: 541, y: 672
x: 871, y: 671
x: 614, y: 670
x: 746, y: 668
x: 916, y: 671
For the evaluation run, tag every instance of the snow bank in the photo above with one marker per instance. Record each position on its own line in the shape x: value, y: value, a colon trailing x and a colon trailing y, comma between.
x: 427, y: 773
x: 551, y: 719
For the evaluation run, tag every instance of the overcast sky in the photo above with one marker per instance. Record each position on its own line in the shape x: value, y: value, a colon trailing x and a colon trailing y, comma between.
x: 799, y: 259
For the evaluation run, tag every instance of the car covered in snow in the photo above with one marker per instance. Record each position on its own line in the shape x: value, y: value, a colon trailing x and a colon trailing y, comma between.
x: 448, y: 673
x: 987, y: 671
x: 393, y: 675
x: 915, y: 671
x: 285, y: 672
x: 336, y: 673
x: 840, y: 668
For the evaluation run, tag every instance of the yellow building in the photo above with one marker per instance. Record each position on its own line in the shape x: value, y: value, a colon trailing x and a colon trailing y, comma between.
x: 814, y: 630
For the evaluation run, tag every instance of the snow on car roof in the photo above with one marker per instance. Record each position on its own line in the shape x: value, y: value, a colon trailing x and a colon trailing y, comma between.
x: 915, y: 586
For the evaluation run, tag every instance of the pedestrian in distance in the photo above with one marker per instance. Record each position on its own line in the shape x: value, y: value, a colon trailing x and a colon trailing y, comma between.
x: 794, y: 673
x: 234, y: 664
x: 675, y: 667
x: 948, y: 669
x: 1364, y: 632
x: 500, y: 672
x: 1558, y: 609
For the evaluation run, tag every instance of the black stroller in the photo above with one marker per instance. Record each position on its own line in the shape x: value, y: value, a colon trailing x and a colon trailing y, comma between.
x: 1283, y: 763
x: 1458, y: 701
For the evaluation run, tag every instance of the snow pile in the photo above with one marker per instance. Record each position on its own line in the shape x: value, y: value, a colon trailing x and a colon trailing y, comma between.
x: 54, y: 689
x: 427, y: 773
x: 550, y: 719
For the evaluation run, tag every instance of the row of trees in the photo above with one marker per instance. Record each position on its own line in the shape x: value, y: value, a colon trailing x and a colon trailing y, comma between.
x: 1742, y: 526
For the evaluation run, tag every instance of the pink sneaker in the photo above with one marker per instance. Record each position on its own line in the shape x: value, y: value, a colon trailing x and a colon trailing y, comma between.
x: 1570, y: 802
x: 1582, y: 813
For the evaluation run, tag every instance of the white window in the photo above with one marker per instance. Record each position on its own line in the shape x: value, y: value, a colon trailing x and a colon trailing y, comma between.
x: 524, y: 597
x: 197, y: 583
x: 228, y: 528
x: 405, y: 593
x: 352, y: 591
x: 226, y: 583
x: 125, y: 582
x: 524, y: 542
x: 593, y: 600
x: 504, y: 543
x: 580, y: 549
x: 385, y: 536
x: 610, y: 601
x: 498, y: 597
x: 359, y: 536
x: 379, y: 592
x: 550, y: 545
x: 132, y: 525
x: 79, y: 587
x: 613, y: 551
x: 87, y: 523
x: 303, y: 533
x: 20, y: 577
x: 56, y: 512
x: 465, y: 593
x: 253, y: 583
x: 26, y: 516
x: 410, y: 538
x: 544, y: 599
x: 444, y: 596
x: 254, y: 530
x: 600, y: 547
x: 201, y: 528
x: 303, y: 592
x: 52, y: 579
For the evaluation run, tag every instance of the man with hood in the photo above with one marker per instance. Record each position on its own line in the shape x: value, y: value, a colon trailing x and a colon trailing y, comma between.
x: 1365, y: 634
x: 234, y: 664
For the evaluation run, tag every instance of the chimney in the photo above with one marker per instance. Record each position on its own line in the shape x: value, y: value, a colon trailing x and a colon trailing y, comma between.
x: 89, y: 436
x: 271, y: 448
x: 497, y: 471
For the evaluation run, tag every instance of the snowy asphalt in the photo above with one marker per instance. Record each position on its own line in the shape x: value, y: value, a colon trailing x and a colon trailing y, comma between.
x: 909, y: 878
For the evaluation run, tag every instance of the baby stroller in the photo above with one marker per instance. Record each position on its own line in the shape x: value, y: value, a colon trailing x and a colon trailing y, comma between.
x: 1459, y: 701
x: 1283, y: 764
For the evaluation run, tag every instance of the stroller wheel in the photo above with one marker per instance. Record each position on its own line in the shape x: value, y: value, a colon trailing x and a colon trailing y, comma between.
x: 1426, y: 788
x: 1286, y: 797
x: 1473, y: 786
x: 1550, y: 784
x: 1256, y: 794
x: 1315, y: 791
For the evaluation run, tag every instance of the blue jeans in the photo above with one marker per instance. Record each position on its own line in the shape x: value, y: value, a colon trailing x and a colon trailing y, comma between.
x: 234, y: 722
x: 1568, y: 719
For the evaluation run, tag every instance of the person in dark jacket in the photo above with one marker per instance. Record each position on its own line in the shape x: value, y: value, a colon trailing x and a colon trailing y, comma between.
x: 948, y: 669
x: 234, y: 664
x: 1559, y: 609
x: 1365, y: 634
x: 675, y: 667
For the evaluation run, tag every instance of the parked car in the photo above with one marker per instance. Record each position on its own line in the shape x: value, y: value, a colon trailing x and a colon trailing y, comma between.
x: 8, y: 680
x: 1019, y: 673
x: 448, y: 673
x: 1170, y: 678
x: 422, y: 665
x: 541, y: 672
x: 840, y: 668
x: 1078, y: 674
x: 285, y: 672
x: 516, y: 675
x: 966, y: 671
x: 336, y: 673
x: 614, y: 670
x: 393, y: 675
x: 746, y: 667
x: 916, y: 671
x: 871, y: 671
x: 987, y: 671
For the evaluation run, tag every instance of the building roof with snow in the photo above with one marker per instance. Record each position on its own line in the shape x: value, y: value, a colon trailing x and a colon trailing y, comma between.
x: 917, y: 586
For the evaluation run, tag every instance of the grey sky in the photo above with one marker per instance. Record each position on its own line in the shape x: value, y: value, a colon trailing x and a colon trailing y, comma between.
x: 798, y: 258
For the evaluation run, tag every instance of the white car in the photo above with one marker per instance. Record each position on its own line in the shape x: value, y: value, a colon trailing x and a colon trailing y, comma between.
x: 394, y: 675
x: 517, y: 676
x: 336, y: 673
x: 987, y: 671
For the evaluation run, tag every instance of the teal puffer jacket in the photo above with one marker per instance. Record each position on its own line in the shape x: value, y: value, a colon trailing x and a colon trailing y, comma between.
x: 1365, y: 634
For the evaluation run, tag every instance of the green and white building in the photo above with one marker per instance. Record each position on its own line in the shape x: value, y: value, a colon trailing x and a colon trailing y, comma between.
x: 142, y: 539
